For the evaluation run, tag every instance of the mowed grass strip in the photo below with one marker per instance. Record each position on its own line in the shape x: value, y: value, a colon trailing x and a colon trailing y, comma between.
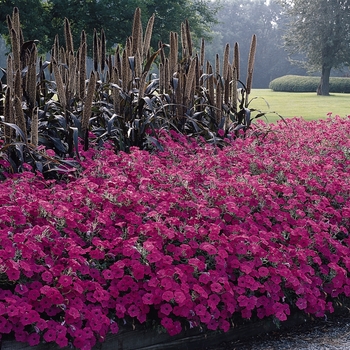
x: 307, y: 105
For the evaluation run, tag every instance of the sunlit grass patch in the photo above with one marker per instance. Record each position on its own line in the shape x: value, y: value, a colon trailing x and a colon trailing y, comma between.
x: 294, y: 104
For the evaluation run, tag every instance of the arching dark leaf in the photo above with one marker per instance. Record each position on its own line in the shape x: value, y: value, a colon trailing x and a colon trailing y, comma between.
x: 18, y: 130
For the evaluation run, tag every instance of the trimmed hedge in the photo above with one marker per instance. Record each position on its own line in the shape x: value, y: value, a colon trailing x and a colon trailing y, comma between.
x: 298, y: 83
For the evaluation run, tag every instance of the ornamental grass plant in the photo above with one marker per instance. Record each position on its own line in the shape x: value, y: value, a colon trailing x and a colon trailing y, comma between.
x: 128, y: 97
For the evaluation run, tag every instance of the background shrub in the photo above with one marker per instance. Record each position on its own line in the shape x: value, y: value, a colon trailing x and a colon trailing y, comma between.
x: 298, y: 83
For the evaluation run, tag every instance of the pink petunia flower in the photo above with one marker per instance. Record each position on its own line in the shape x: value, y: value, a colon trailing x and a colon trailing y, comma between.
x: 50, y: 335
x: 13, y: 274
x: 166, y: 309
x: 179, y: 297
x: 213, y: 300
x: 200, y: 309
x: 12, y: 310
x: 108, y: 274
x: 133, y: 311
x: 148, y: 298
x: 201, y: 291
x: 301, y: 303
x: 168, y: 295
x: 47, y: 277
x: 216, y: 287
x: 65, y: 280
x: 114, y: 328
x: 33, y: 339
x: 62, y: 341
x: 167, y: 323
x: 30, y: 317
x: 263, y: 271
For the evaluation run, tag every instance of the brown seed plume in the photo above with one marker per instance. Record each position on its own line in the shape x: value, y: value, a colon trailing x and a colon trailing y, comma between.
x: 88, y: 103
x: 103, y: 50
x: 56, y: 48
x: 234, y: 89
x: 218, y: 102
x: 227, y: 86
x: 95, y: 51
x: 16, y: 23
x: 190, y: 80
x: 138, y: 65
x: 167, y: 75
x: 226, y: 61
x: 161, y: 77
x: 217, y: 65
x: 125, y: 71
x: 202, y: 57
x: 236, y: 60
x: 72, y: 79
x: 173, y: 52
x: 115, y: 91
x: 18, y: 84
x: 183, y: 41
x: 9, y: 70
x: 59, y: 83
x: 118, y: 59
x: 31, y: 77
x: 148, y: 36
x: 34, y: 127
x: 188, y: 38
x: 82, y: 64
x: 19, y: 117
x: 137, y: 34
x: 211, y: 85
x: 68, y: 36
x: 251, y: 61
x: 16, y: 49
x: 8, y: 115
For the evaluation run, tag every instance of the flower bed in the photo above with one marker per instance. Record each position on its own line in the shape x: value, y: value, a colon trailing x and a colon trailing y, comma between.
x: 188, y: 237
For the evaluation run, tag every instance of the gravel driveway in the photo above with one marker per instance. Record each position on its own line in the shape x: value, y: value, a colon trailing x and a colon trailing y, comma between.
x: 332, y: 334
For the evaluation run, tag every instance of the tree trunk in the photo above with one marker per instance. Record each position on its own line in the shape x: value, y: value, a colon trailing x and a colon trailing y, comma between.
x: 323, y: 87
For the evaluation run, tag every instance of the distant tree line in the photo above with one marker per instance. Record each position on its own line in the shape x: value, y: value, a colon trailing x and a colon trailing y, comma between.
x: 294, y: 37
x: 320, y: 29
x: 237, y: 21
x: 43, y: 19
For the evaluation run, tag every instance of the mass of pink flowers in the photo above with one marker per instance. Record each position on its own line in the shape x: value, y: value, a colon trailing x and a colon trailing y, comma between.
x: 187, y: 237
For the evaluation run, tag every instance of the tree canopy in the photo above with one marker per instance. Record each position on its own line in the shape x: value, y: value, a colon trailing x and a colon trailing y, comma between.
x: 320, y: 29
x: 238, y: 21
x: 42, y: 20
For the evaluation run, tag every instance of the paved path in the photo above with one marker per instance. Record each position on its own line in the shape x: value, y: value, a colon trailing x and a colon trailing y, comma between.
x: 333, y: 334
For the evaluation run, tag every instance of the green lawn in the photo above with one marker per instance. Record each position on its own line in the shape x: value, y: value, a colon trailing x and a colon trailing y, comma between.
x: 296, y: 104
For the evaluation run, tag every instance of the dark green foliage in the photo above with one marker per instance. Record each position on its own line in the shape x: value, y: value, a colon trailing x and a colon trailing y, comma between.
x: 297, y: 83
x: 33, y: 18
x: 43, y: 20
